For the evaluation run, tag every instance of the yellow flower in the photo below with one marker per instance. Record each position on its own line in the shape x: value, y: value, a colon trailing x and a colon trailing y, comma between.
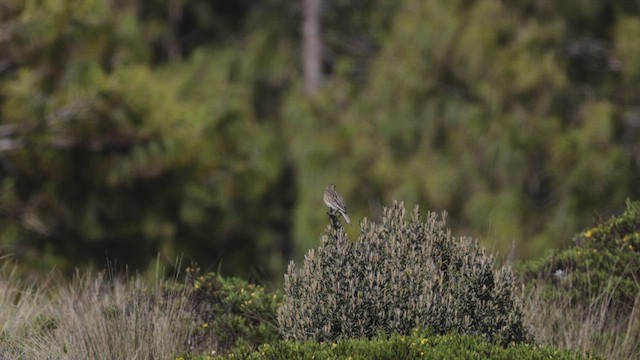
x: 423, y: 341
x: 205, y: 325
x: 588, y: 233
x: 630, y: 247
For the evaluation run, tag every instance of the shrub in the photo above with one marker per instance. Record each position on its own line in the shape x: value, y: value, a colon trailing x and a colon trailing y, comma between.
x: 415, y: 346
x: 587, y: 296
x: 602, y: 259
x: 229, y: 311
x: 399, y: 275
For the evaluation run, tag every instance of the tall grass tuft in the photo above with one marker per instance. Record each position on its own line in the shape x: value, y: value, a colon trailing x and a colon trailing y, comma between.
x: 22, y: 311
x: 595, y: 326
x: 94, y: 317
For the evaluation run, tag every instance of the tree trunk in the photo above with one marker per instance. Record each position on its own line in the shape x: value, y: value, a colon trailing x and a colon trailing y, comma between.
x: 312, y: 45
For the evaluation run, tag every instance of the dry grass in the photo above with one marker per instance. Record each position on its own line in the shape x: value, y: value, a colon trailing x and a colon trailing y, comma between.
x: 92, y: 318
x: 598, y: 327
x: 22, y: 304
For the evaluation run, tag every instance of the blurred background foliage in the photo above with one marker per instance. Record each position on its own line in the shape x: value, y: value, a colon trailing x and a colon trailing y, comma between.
x: 135, y: 128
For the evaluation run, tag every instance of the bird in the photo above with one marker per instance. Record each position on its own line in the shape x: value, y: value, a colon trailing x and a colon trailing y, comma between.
x: 335, y: 202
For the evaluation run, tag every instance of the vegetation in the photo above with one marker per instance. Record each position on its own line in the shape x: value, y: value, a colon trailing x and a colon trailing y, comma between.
x: 606, y: 255
x: 417, y: 345
x: 400, y: 274
x: 132, y: 128
x: 96, y: 316
x: 596, y: 326
x: 591, y: 289
x: 231, y: 312
x: 93, y: 317
x: 137, y: 132
x: 212, y: 317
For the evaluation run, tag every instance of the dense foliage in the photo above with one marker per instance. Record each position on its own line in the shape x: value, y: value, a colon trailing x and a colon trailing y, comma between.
x: 400, y: 274
x: 230, y: 312
x: 604, y: 259
x: 113, y: 152
x: 516, y: 117
x: 132, y: 128
x: 418, y: 345
x: 587, y: 296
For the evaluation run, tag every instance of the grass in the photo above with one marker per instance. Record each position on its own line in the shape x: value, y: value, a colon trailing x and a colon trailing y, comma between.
x: 595, y: 327
x: 92, y: 317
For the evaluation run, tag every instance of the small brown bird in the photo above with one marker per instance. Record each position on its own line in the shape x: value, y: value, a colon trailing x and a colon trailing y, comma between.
x: 335, y: 202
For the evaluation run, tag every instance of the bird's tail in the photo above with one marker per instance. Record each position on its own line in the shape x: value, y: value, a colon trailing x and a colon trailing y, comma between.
x: 346, y: 218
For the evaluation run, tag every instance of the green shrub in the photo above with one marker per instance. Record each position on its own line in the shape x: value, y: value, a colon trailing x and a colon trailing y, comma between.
x: 231, y: 311
x: 602, y: 259
x: 415, y: 346
x: 399, y: 275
